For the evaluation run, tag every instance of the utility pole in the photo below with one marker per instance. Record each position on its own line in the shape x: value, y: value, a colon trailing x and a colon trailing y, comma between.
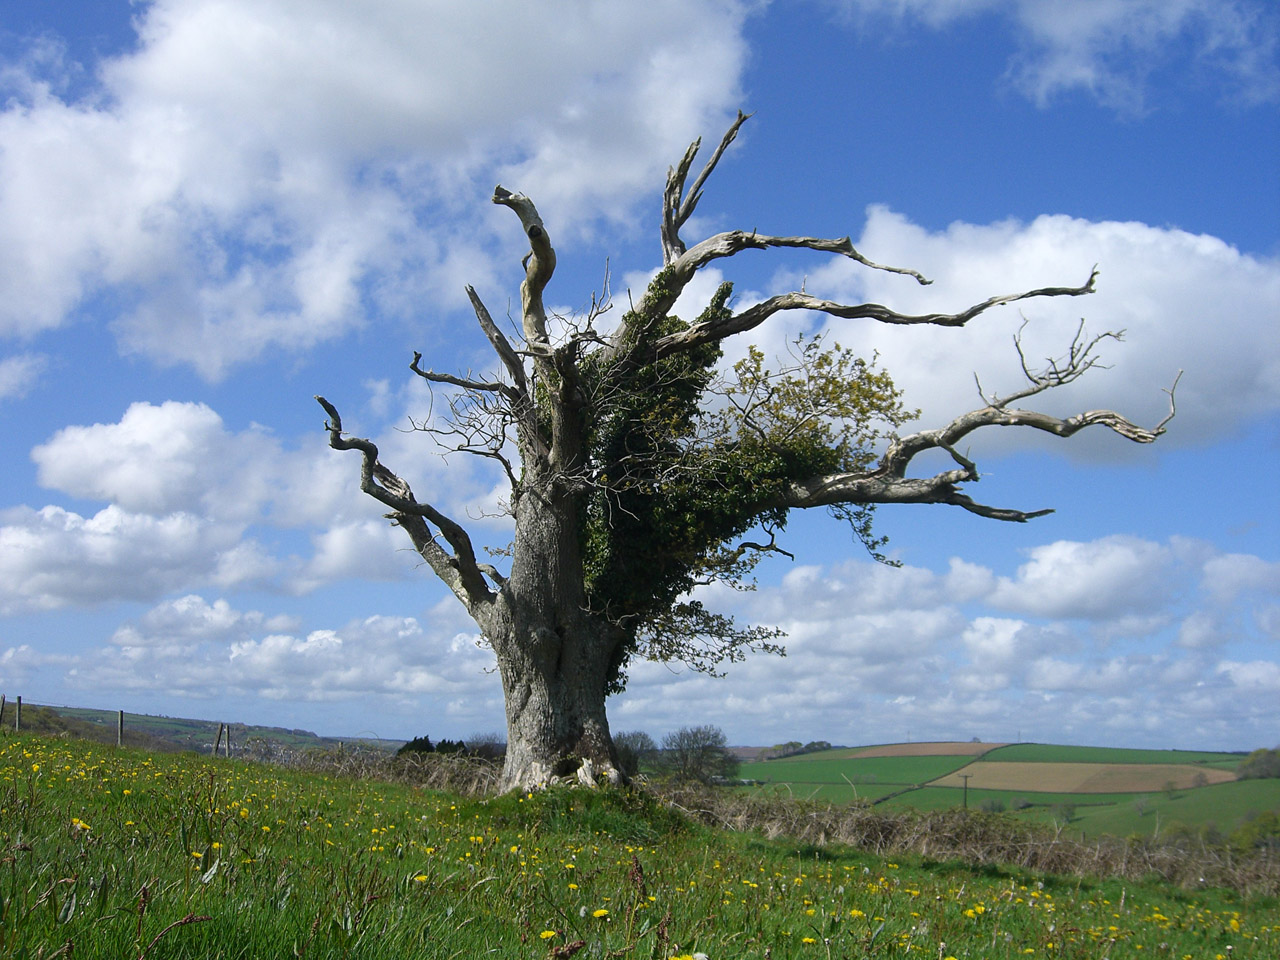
x: 965, y: 777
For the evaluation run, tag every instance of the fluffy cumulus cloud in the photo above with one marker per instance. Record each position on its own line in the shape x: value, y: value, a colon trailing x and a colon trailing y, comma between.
x: 255, y: 175
x: 192, y: 503
x: 53, y: 557
x: 1183, y: 301
x: 1109, y: 49
x: 192, y: 647
x: 869, y: 660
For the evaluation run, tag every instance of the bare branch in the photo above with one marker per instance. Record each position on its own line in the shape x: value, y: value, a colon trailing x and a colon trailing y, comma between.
x: 678, y: 208
x: 501, y: 345
x: 490, y: 386
x: 539, y: 264
x: 735, y: 241
x: 458, y: 570
x: 888, y: 483
x: 752, y: 317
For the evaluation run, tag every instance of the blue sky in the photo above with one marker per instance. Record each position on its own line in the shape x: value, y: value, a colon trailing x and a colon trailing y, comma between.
x: 210, y: 212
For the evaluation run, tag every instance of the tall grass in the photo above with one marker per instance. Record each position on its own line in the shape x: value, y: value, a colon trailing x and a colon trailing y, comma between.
x: 117, y: 853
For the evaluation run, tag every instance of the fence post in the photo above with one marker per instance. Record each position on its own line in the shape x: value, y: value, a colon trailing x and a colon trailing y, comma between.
x: 17, y: 717
x: 120, y: 729
x: 217, y: 741
x: 1, y: 708
x: 227, y: 748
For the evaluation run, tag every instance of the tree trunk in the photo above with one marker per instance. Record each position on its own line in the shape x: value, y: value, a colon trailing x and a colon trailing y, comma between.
x: 552, y: 655
x: 554, y: 688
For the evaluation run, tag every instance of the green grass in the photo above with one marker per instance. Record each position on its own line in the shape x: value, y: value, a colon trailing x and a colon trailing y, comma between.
x: 1222, y: 806
x: 111, y: 853
x: 1055, y: 753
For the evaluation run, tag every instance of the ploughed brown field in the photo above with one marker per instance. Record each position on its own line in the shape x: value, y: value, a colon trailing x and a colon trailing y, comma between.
x: 941, y: 749
x: 1082, y: 777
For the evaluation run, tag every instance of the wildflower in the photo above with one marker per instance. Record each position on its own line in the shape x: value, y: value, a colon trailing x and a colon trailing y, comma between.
x: 197, y: 854
x: 600, y: 913
x: 421, y: 878
x: 547, y: 934
x: 808, y: 940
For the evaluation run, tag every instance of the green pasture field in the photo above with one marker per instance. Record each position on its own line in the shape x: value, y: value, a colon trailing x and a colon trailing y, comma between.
x: 825, y: 767
x: 947, y: 798
x: 827, y: 792
x: 1223, y: 806
x: 110, y: 853
x: 1053, y: 753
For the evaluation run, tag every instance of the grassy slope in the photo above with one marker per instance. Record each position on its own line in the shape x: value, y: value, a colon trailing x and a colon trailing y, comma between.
x: 120, y: 853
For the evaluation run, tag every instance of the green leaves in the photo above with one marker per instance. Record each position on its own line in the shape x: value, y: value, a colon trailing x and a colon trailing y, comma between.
x: 684, y: 460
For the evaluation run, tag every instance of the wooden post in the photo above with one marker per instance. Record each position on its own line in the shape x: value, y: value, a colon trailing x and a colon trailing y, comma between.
x: 227, y: 748
x: 217, y: 740
x: 120, y: 729
x: 17, y: 717
x: 965, y: 777
x: 1, y: 708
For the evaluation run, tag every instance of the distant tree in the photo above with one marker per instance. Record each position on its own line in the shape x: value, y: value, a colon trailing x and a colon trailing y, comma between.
x: 1260, y: 765
x: 816, y: 746
x: 417, y: 745
x: 697, y: 754
x: 790, y: 748
x: 640, y: 466
x: 635, y: 749
x: 1260, y: 831
x: 451, y: 746
x: 487, y: 746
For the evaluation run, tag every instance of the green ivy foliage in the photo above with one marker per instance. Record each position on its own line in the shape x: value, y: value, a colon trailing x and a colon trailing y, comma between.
x: 683, y: 463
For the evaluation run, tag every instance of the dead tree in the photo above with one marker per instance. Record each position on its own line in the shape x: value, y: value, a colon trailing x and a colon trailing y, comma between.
x: 639, y: 468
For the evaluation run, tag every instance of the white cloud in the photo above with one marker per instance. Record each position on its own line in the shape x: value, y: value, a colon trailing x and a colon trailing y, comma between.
x: 53, y: 557
x: 215, y: 651
x: 1261, y: 675
x: 869, y: 663
x: 187, y: 498
x: 1228, y: 575
x: 1185, y: 302
x: 1110, y: 48
x: 255, y: 174
x: 19, y: 373
x: 1104, y: 579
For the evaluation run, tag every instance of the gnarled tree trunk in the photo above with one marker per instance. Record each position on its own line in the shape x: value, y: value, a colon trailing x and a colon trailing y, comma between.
x: 553, y: 655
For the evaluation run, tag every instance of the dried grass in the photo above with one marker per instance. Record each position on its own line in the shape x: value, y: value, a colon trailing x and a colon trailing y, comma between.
x: 981, y: 838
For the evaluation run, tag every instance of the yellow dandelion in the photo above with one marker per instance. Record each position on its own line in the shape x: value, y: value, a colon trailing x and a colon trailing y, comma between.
x: 547, y: 934
x: 600, y: 913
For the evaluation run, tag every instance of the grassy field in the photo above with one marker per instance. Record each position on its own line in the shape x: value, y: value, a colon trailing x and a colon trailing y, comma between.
x: 1091, y: 790
x: 111, y: 853
x: 817, y: 768
x: 1053, y: 753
